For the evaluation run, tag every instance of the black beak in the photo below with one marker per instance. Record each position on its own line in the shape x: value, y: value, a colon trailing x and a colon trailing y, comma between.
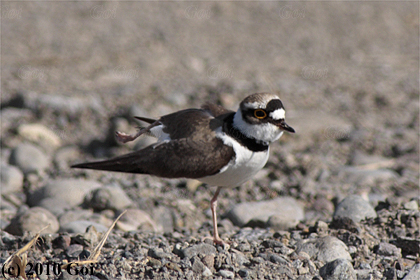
x: 283, y: 125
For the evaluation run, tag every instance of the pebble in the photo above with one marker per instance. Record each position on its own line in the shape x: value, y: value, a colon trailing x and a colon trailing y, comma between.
x: 72, y: 191
x: 355, y: 208
x: 39, y: 134
x: 65, y: 156
x: 414, y: 273
x: 136, y: 219
x: 29, y: 158
x: 386, y: 249
x: 287, y: 211
x: 108, y: 197
x: 81, y: 226
x: 61, y: 242
x: 33, y: 220
x: 158, y: 253
x: 74, y: 250
x: 325, y: 249
x: 227, y: 274
x: 411, y: 205
x: 366, y: 177
x: 203, y: 249
x: 207, y: 272
x: 339, y: 269
x: 75, y: 215
x: 56, y: 206
x: 197, y: 265
x: 11, y: 179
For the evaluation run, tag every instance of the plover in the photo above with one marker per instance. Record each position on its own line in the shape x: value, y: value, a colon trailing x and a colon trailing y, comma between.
x: 214, y: 145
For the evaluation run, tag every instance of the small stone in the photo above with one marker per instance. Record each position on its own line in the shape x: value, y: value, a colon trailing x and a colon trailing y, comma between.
x: 287, y: 210
x: 203, y: 249
x: 339, y: 269
x: 81, y: 226
x: 208, y: 260
x: 39, y: 134
x: 74, y: 250
x: 29, y: 158
x: 75, y: 215
x: 411, y: 205
x: 243, y: 272
x: 136, y: 219
x: 414, y: 273
x: 386, y: 249
x: 207, y: 272
x: 227, y: 274
x: 108, y: 197
x: 11, y: 179
x: 72, y: 191
x: 355, y: 208
x: 158, y: 253
x: 61, y: 242
x: 274, y: 258
x: 197, y: 265
x: 56, y: 206
x: 324, y: 249
x: 33, y: 220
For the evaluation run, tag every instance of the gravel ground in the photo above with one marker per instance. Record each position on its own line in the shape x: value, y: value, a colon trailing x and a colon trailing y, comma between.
x: 337, y: 200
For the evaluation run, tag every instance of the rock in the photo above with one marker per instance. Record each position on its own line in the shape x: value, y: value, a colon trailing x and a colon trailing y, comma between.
x: 414, y: 273
x: 203, y: 249
x: 227, y: 274
x: 55, y: 205
x: 136, y: 219
x: 325, y: 249
x: 61, y: 242
x: 386, y: 249
x: 74, y: 250
x: 207, y: 272
x: 197, y: 265
x: 108, y: 197
x: 411, y: 205
x: 339, y: 269
x: 366, y: 177
x: 33, y: 220
x: 81, y: 226
x: 158, y: 253
x: 355, y: 208
x: 29, y: 158
x: 39, y: 134
x: 65, y: 156
x: 164, y: 218
x: 72, y: 191
x: 75, y: 215
x: 11, y: 179
x: 287, y: 211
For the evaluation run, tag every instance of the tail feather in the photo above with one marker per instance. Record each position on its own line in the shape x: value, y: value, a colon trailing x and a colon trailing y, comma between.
x: 127, y: 163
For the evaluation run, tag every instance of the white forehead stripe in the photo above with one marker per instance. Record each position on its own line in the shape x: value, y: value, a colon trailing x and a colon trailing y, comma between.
x: 278, y: 114
x: 254, y: 105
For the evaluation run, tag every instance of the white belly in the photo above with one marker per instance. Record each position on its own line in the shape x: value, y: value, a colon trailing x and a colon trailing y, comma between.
x: 242, y: 168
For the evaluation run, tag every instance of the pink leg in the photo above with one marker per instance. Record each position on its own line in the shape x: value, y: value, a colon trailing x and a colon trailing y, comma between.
x: 213, y: 205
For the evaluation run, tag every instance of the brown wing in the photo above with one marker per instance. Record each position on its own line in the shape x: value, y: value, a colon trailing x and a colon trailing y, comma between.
x: 215, y: 110
x: 173, y: 159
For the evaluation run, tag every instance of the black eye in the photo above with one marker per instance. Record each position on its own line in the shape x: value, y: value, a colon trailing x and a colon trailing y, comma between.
x: 260, y: 114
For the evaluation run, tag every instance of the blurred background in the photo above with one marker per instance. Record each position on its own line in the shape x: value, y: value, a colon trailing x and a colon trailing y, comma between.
x: 347, y: 73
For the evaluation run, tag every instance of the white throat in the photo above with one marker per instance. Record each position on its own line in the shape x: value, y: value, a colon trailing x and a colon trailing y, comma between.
x: 264, y: 132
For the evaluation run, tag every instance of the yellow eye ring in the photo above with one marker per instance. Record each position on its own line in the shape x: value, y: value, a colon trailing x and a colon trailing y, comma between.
x: 260, y: 114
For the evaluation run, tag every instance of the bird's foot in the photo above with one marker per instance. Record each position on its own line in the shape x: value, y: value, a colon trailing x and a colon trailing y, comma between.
x: 218, y: 241
x: 124, y: 137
